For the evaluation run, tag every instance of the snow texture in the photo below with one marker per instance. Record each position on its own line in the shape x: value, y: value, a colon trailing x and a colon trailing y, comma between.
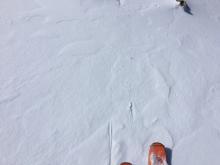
x: 157, y: 161
x: 97, y: 81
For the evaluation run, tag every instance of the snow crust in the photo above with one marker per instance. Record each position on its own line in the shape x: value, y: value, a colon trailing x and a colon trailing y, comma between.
x: 156, y: 161
x: 97, y: 81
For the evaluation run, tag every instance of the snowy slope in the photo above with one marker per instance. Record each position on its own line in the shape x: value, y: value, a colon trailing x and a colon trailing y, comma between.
x: 97, y: 81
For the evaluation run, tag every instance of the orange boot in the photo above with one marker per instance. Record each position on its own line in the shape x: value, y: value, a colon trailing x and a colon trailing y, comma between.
x: 126, y: 163
x: 157, y: 154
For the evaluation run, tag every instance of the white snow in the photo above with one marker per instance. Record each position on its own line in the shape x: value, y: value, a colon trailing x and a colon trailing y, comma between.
x: 97, y: 81
x: 156, y: 161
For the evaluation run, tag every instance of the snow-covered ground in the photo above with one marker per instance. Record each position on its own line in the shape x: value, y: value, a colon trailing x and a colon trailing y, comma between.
x: 97, y: 81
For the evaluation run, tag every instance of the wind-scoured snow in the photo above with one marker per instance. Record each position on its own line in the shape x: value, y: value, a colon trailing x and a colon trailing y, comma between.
x: 97, y: 81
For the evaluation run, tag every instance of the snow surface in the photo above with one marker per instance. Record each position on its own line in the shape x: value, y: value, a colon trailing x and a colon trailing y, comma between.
x: 97, y: 81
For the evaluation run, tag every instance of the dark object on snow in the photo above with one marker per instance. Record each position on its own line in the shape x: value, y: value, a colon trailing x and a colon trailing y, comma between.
x: 187, y: 9
x: 185, y: 6
x: 182, y: 2
x: 169, y: 155
x: 126, y: 163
